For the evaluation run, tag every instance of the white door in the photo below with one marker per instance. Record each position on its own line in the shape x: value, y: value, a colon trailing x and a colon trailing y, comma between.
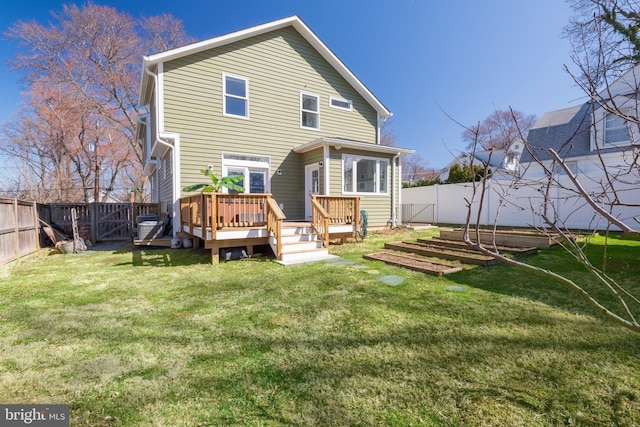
x: 311, y: 185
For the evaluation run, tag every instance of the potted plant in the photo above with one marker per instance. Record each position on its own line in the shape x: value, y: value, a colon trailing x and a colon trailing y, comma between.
x: 215, y: 186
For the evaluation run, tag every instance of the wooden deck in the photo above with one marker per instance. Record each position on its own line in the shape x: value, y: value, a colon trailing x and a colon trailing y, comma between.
x: 247, y: 220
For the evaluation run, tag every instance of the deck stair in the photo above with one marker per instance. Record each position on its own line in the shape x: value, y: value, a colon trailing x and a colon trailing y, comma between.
x: 457, y: 244
x: 465, y: 256
x: 300, y: 244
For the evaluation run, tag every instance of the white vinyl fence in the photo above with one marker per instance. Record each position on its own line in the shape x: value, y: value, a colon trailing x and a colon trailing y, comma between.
x: 520, y: 205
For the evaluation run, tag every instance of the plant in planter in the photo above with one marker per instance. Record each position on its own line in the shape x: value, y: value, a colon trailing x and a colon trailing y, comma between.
x: 217, y: 184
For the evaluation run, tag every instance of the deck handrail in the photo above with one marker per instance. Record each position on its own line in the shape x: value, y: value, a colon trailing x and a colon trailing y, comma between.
x: 275, y: 217
x: 340, y: 209
x: 320, y: 221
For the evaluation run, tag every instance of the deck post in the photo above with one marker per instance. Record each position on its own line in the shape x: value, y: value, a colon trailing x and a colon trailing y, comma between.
x: 215, y: 254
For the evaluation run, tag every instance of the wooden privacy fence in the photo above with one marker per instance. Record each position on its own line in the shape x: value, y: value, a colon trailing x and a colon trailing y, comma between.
x: 98, y: 222
x: 18, y: 229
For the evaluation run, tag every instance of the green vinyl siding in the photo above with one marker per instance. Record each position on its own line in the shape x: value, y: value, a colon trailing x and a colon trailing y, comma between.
x: 277, y: 66
x: 378, y: 206
x: 314, y: 157
x: 165, y: 182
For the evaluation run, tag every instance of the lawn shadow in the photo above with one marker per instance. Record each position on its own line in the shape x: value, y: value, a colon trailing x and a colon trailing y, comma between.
x: 523, y: 283
x: 163, y: 257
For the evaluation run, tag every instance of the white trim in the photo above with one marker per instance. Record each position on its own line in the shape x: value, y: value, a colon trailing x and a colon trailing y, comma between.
x: 326, y: 163
x: 376, y: 183
x: 337, y: 107
x: 302, y: 110
x: 224, y: 96
x: 340, y: 143
x: 248, y: 165
x: 308, y: 169
x: 293, y: 21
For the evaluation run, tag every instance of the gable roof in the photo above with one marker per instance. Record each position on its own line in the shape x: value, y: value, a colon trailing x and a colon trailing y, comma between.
x: 567, y: 131
x: 294, y: 21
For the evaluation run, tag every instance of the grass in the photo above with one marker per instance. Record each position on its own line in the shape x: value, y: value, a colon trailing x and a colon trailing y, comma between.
x: 161, y: 337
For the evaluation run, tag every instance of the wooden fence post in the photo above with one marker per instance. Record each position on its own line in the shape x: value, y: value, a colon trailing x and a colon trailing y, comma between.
x: 36, y: 225
x: 94, y: 222
x: 16, y: 230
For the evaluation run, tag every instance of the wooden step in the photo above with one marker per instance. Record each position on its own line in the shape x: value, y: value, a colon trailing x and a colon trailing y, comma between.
x: 516, y: 250
x: 413, y: 263
x: 505, y: 237
x: 467, y: 257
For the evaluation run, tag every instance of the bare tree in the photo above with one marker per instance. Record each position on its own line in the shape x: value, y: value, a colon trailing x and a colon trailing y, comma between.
x: 499, y: 130
x: 88, y: 61
x: 604, y: 56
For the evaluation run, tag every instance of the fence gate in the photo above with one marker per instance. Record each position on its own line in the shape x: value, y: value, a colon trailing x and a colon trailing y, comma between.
x: 98, y: 221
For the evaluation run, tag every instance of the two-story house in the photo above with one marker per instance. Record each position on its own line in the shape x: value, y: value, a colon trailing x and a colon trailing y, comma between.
x: 591, y: 138
x: 274, y: 104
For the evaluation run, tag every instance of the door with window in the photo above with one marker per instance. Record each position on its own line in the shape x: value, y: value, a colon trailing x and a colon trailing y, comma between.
x: 312, y: 186
x: 254, y: 180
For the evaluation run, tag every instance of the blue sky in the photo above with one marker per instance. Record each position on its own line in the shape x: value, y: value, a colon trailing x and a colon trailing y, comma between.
x: 420, y: 57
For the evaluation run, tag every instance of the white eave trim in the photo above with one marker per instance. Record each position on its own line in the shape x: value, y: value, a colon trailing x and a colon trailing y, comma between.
x: 340, y: 143
x: 293, y: 21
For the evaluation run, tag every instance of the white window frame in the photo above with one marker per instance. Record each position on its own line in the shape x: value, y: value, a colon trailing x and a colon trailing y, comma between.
x: 238, y: 161
x: 354, y: 180
x: 338, y: 107
x: 624, y: 126
x: 302, y: 110
x: 225, y: 95
x: 626, y: 106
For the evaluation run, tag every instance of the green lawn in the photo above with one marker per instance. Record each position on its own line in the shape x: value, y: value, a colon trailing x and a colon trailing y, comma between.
x: 163, y: 338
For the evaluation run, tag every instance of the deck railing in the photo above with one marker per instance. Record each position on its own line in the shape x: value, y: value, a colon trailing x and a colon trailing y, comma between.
x: 340, y: 209
x: 275, y: 217
x: 333, y: 210
x: 320, y: 221
x: 214, y: 211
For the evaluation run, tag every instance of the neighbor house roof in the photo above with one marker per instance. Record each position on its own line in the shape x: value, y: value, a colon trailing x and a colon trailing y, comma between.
x: 567, y: 131
x: 151, y: 61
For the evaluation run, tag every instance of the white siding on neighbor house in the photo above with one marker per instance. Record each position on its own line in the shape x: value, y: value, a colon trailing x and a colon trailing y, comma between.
x: 516, y: 207
x: 278, y: 66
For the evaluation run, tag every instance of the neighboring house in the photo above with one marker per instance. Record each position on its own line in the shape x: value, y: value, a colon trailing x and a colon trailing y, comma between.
x: 586, y: 136
x: 272, y: 103
x: 501, y: 162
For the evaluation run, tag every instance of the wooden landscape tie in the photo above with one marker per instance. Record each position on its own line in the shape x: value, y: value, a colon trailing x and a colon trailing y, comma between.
x: 412, y: 263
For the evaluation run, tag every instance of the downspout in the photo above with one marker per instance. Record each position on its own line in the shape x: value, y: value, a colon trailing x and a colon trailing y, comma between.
x: 394, y: 216
x: 157, y: 139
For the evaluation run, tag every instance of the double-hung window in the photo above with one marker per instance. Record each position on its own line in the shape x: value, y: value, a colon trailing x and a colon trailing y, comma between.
x: 309, y: 111
x: 236, y: 96
x: 364, y: 174
x: 615, y: 129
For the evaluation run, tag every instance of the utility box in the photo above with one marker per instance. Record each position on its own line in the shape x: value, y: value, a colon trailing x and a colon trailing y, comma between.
x: 149, y: 230
x: 147, y: 217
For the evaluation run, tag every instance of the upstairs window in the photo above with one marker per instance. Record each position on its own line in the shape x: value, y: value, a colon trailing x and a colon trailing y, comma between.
x: 615, y: 129
x: 340, y: 104
x: 309, y: 111
x: 236, y: 96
